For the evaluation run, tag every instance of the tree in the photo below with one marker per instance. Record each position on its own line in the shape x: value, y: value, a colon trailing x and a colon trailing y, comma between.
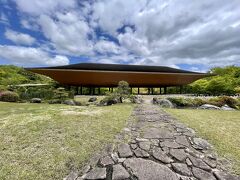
x: 123, y: 90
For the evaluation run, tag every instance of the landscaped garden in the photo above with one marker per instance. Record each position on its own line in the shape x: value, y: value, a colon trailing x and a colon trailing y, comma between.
x: 220, y: 128
x: 42, y: 141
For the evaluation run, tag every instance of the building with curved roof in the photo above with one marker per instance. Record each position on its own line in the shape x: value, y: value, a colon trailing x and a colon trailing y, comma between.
x: 108, y: 75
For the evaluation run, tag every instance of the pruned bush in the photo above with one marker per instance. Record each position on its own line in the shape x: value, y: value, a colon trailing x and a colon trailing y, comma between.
x: 8, y: 96
x: 221, y: 101
x: 186, y: 102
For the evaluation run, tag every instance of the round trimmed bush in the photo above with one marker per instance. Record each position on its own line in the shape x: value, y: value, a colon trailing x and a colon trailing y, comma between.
x: 9, y: 96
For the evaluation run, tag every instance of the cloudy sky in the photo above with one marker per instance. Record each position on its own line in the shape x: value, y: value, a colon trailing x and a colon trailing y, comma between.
x: 188, y: 34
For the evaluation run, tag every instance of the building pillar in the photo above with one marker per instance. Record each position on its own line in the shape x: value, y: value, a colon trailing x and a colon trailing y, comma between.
x: 152, y: 91
x: 148, y: 91
x: 109, y: 89
x: 181, y: 89
x: 81, y: 90
x: 165, y: 90
x: 99, y: 91
x: 112, y: 90
x: 160, y: 90
x: 138, y: 90
x: 131, y: 90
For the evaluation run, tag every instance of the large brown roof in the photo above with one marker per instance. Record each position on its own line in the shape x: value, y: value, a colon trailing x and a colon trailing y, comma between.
x: 106, y: 75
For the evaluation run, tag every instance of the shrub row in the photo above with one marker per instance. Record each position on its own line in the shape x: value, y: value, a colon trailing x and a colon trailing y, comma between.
x: 195, y: 102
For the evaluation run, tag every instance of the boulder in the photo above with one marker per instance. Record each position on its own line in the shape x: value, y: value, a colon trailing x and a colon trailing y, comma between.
x: 107, y: 102
x: 163, y: 103
x: 209, y: 106
x: 137, y: 99
x: 69, y: 102
x: 227, y: 108
x: 92, y: 99
x: 36, y: 100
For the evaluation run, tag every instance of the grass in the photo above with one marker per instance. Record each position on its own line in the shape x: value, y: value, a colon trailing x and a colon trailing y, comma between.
x: 42, y: 141
x: 221, y: 128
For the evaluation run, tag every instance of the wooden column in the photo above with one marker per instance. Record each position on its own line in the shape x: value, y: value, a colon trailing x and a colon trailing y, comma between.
x: 99, y: 91
x: 160, y: 90
x: 138, y: 90
x: 152, y: 91
x: 165, y: 90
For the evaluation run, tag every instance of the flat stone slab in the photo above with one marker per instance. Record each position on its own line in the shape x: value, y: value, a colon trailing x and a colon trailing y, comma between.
x: 96, y: 173
x: 145, y: 145
x: 105, y: 161
x: 170, y: 144
x: 140, y: 153
x: 149, y: 170
x: 182, y: 140
x: 161, y: 155
x: 155, y: 133
x: 119, y: 172
x: 124, y: 150
x: 178, y: 154
x: 199, y: 163
x: 181, y: 169
x: 225, y: 176
x: 201, y: 143
x: 202, y: 175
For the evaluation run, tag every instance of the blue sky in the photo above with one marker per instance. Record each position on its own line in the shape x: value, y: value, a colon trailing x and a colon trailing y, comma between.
x: 192, y: 35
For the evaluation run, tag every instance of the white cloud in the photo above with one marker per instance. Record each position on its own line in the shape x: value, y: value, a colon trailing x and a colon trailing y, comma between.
x: 38, y: 7
x: 104, y: 46
x: 19, y: 38
x: 4, y: 19
x: 68, y: 34
x: 28, y: 56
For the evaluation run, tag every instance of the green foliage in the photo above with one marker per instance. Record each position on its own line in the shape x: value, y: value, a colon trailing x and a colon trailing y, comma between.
x: 222, y: 100
x: 13, y: 75
x: 122, y: 91
x: 186, y: 102
x: 8, y: 96
x: 226, y: 82
x: 60, y: 94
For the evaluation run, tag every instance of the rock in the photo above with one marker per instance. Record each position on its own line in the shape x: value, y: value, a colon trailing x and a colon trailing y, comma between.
x: 202, y: 175
x: 137, y: 99
x: 224, y: 176
x: 133, y: 146
x: 188, y: 162
x: 211, y: 162
x: 145, y: 145
x: 105, y: 161
x: 141, y: 139
x: 96, y: 173
x: 199, y: 163
x: 140, y: 153
x: 149, y: 170
x: 170, y: 144
x: 119, y: 173
x: 73, y: 175
x: 209, y: 106
x: 115, y: 156
x: 178, y: 154
x: 55, y: 101
x: 227, y: 108
x: 108, y: 102
x: 154, y: 133
x: 69, y: 102
x: 181, y: 169
x: 36, y: 100
x: 201, y: 143
x: 182, y: 140
x: 163, y: 103
x: 124, y: 150
x: 92, y: 99
x: 161, y: 155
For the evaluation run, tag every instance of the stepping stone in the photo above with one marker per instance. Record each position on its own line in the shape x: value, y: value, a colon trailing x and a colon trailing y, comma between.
x: 133, y: 146
x: 170, y: 144
x: 182, y: 140
x: 140, y: 153
x: 181, y: 169
x: 96, y: 173
x: 225, y: 176
x: 154, y: 133
x: 105, y: 161
x: 202, y: 175
x: 161, y: 156
x: 211, y: 162
x: 72, y: 176
x: 119, y: 172
x: 199, y: 163
x: 178, y: 154
x: 149, y: 170
x: 201, y: 143
x: 124, y: 150
x: 145, y: 145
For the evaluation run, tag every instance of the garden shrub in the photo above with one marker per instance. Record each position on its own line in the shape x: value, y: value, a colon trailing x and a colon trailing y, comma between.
x: 8, y: 96
x: 180, y: 102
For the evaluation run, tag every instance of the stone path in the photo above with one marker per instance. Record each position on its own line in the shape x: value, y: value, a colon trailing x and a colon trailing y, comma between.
x: 160, y: 148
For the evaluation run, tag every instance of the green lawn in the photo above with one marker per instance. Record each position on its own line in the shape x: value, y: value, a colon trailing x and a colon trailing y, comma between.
x: 221, y: 128
x: 41, y: 141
